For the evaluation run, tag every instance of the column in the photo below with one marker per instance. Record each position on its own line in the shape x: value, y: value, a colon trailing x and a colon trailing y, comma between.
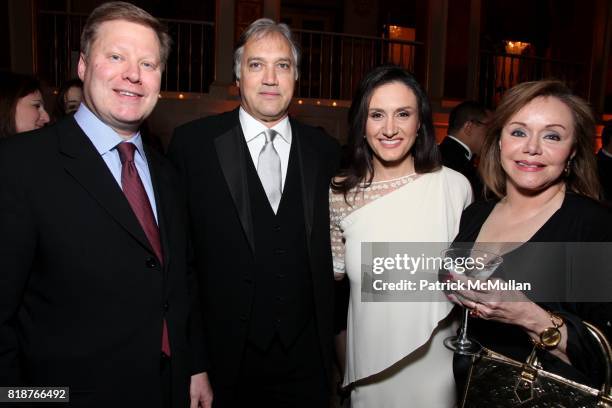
x: 602, y: 33
x: 22, y: 47
x: 224, y: 48
x: 473, y: 49
x: 431, y: 29
x: 272, y: 9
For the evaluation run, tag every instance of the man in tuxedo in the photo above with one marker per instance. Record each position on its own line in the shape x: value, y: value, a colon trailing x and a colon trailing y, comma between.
x: 604, y: 162
x: 257, y: 185
x: 467, y: 127
x: 94, y: 288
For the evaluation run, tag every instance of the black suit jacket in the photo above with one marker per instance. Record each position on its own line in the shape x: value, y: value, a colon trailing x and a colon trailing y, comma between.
x: 212, y: 156
x: 454, y: 156
x: 82, y: 296
x: 604, y: 167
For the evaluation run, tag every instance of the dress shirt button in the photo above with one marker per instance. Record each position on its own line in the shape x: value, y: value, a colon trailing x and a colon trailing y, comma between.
x: 166, y: 306
x: 609, y: 323
x: 151, y: 263
x: 277, y: 228
x: 278, y: 321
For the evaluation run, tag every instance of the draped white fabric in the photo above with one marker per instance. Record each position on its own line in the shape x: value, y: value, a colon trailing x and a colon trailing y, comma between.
x: 415, y: 208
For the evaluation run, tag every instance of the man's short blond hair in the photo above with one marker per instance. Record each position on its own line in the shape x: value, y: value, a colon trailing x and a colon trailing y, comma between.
x: 120, y: 10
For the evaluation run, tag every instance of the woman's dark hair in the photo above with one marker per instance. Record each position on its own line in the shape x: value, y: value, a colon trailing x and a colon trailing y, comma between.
x: 359, y: 155
x: 60, y: 100
x: 12, y: 88
x: 582, y: 168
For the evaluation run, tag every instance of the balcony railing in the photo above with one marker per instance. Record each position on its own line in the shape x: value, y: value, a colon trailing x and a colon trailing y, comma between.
x: 500, y: 72
x: 333, y: 63
x: 190, y: 66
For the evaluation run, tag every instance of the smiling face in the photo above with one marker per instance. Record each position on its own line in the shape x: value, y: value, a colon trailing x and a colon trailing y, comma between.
x: 267, y: 78
x: 122, y: 75
x: 30, y: 113
x: 391, y: 127
x: 535, y: 145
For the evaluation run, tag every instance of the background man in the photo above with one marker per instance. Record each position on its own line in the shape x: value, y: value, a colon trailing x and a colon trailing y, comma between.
x: 258, y: 200
x: 93, y: 251
x: 467, y: 128
x: 604, y: 162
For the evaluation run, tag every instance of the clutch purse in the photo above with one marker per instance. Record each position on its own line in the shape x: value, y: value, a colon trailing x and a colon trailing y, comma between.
x: 495, y: 380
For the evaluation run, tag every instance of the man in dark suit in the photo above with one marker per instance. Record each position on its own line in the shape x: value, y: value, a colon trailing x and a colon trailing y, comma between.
x: 257, y: 185
x: 94, y: 291
x: 604, y: 162
x: 467, y: 126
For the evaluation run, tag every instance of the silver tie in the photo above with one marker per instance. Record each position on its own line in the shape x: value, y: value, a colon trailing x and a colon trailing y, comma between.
x: 269, y: 170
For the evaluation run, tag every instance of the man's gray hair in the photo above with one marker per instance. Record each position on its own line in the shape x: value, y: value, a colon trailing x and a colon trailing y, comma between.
x: 260, y: 29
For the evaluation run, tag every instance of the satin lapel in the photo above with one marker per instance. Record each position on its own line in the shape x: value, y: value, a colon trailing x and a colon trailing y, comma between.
x: 232, y: 156
x: 82, y: 161
x: 162, y: 190
x: 309, y: 170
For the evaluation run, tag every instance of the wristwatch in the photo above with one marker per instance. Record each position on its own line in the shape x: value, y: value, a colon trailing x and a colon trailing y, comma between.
x: 551, y: 336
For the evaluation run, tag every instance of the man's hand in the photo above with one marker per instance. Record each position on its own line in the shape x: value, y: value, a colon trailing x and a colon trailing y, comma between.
x: 200, y: 391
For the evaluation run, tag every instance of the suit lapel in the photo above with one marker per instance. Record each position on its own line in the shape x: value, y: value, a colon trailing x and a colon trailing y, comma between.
x: 231, y: 153
x: 86, y: 166
x: 307, y: 160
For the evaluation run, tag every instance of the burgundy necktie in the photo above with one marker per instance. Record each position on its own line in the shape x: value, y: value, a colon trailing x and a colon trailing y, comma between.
x: 139, y: 201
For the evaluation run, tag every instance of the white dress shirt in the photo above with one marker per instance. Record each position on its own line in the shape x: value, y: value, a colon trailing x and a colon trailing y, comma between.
x: 105, y: 140
x: 468, y: 152
x: 254, y: 135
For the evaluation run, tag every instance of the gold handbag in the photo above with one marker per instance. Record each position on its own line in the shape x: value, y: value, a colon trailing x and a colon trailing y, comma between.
x: 495, y: 380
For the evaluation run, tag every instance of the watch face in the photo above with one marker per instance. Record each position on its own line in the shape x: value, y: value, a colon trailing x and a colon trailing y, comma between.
x: 550, y: 337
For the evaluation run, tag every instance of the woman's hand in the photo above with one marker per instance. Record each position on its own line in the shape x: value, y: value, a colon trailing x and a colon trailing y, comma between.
x: 510, y: 307
x: 506, y: 306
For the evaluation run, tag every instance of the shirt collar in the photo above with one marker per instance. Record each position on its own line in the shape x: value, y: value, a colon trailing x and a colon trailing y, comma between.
x: 252, y: 128
x: 103, y: 137
x: 468, y: 153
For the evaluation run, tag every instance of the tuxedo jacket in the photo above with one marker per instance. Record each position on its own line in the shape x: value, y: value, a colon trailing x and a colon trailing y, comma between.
x: 454, y: 157
x: 212, y: 157
x: 82, y: 295
x: 604, y: 167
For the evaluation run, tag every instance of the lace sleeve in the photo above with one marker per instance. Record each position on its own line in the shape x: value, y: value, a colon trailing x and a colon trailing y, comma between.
x: 359, y: 196
x: 336, y: 214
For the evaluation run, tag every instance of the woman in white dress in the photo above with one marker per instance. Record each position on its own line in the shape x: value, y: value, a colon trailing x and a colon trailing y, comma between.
x: 394, y: 190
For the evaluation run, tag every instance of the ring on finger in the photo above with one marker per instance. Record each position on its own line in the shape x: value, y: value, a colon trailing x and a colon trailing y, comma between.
x: 475, y: 312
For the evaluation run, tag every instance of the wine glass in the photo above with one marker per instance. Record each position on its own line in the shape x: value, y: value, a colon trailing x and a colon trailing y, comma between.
x: 483, y: 265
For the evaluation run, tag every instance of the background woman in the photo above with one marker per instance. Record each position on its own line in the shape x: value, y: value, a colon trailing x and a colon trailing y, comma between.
x: 394, y: 190
x: 538, y: 162
x: 68, y: 98
x: 22, y: 107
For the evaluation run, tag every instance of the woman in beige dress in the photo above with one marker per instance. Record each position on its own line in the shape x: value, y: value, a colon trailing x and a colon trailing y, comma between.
x: 394, y: 190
